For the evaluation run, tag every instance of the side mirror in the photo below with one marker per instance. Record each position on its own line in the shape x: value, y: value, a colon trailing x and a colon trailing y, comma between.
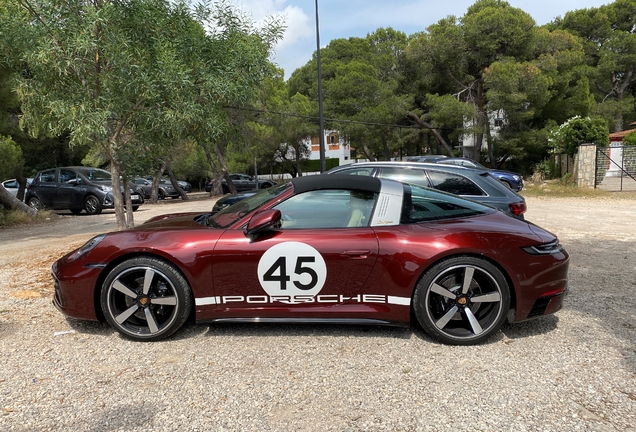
x: 262, y: 221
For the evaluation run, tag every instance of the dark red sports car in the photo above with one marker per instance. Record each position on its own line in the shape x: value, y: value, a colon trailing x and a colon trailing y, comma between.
x: 321, y: 249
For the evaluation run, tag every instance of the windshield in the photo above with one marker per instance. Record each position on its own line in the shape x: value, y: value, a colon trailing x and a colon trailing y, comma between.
x: 95, y: 174
x: 423, y: 204
x: 231, y: 214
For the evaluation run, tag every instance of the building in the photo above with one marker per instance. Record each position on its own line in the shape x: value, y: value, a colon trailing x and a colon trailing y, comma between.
x: 335, y: 147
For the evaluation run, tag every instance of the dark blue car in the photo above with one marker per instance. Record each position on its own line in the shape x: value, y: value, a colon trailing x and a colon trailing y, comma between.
x: 513, y: 180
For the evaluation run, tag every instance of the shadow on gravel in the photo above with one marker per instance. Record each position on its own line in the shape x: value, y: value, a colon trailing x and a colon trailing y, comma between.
x: 532, y: 327
x: 304, y: 330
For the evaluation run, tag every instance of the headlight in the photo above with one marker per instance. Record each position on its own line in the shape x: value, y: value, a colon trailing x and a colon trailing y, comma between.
x: 544, y: 249
x: 88, y: 246
x: 105, y: 188
x: 516, y: 177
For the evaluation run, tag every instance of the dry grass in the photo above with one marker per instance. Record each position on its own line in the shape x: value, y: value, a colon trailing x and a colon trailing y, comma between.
x: 16, y: 217
x: 557, y: 189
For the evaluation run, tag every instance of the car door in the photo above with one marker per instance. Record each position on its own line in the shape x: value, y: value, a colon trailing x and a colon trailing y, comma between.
x: 45, y: 189
x: 314, y: 266
x: 70, y: 190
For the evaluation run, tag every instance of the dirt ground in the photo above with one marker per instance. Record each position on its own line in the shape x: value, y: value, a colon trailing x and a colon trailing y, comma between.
x: 575, y: 370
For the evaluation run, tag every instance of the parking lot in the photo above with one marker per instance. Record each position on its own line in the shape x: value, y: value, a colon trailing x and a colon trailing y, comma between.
x: 575, y: 370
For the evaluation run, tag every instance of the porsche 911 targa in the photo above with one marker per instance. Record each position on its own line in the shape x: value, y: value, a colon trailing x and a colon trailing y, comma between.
x: 321, y: 249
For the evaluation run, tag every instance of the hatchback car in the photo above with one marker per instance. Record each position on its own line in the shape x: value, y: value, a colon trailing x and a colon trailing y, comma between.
x: 513, y: 180
x: 475, y: 184
x: 242, y: 182
x: 12, y: 186
x: 164, y: 189
x: 321, y: 249
x: 75, y: 189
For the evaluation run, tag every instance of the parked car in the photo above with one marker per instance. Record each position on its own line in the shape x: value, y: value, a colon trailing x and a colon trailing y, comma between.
x: 321, y: 249
x: 164, y: 189
x: 242, y: 182
x: 228, y: 200
x: 75, y: 189
x: 12, y: 186
x: 425, y: 158
x: 475, y: 184
x: 513, y: 180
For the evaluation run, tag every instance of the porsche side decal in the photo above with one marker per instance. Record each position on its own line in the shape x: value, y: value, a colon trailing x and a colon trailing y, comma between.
x: 327, y: 298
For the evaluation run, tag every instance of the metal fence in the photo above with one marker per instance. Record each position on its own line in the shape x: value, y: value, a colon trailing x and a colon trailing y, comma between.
x: 616, y: 168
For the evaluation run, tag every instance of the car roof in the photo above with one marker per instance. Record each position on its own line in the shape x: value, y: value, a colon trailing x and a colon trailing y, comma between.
x: 336, y: 181
x: 409, y: 164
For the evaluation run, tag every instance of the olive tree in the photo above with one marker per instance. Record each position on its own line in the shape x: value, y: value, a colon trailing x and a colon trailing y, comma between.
x: 115, y: 72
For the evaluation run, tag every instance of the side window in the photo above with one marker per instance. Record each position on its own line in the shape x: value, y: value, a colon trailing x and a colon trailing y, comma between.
x: 453, y: 183
x: 357, y: 171
x: 11, y: 184
x: 47, y: 176
x: 406, y: 175
x: 66, y: 175
x: 327, y: 209
x: 422, y: 205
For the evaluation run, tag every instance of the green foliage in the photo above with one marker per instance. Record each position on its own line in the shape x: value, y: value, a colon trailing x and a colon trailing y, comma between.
x: 11, y: 157
x: 567, y: 137
x: 630, y: 139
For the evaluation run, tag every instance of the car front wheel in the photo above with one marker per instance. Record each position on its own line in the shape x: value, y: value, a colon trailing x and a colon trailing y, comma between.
x: 462, y: 300
x: 146, y: 299
x: 92, y: 206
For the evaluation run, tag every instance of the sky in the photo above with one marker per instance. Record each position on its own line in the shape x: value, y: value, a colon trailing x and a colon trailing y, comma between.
x: 357, y: 18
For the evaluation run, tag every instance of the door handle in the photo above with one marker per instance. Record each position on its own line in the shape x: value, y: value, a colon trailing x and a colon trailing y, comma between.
x: 356, y: 254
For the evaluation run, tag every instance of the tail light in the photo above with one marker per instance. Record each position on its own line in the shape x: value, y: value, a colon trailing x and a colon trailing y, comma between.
x: 518, y: 208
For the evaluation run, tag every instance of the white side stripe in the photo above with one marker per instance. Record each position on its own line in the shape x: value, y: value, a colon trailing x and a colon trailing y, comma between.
x: 207, y: 301
x: 404, y: 301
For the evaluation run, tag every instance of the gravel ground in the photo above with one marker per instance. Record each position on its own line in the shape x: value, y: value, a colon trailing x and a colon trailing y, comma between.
x: 575, y: 371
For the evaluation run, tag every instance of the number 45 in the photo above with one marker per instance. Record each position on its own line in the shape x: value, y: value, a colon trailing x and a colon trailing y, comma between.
x: 280, y: 267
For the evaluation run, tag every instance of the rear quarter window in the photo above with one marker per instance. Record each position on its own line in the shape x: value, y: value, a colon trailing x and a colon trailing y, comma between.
x: 454, y: 183
x: 422, y: 205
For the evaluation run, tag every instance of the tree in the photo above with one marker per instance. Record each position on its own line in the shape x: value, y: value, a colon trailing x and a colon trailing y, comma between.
x: 577, y: 130
x: 10, y: 164
x: 609, y: 37
x: 459, y: 52
x: 113, y: 73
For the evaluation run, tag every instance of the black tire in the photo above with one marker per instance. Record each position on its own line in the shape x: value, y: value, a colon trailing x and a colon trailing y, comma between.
x: 226, y: 189
x: 146, y: 299
x: 36, y: 204
x: 161, y: 194
x: 445, y: 300
x: 135, y: 208
x: 266, y: 185
x: 92, y: 206
x: 506, y: 184
x: 76, y: 211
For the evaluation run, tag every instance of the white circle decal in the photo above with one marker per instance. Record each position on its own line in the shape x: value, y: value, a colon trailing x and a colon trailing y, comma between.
x: 292, y: 272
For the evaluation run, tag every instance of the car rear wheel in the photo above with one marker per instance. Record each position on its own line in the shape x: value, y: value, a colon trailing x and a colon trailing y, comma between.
x: 146, y: 299
x: 92, y: 206
x: 36, y: 204
x: 462, y: 300
x: 161, y: 194
x: 135, y: 208
x: 76, y: 211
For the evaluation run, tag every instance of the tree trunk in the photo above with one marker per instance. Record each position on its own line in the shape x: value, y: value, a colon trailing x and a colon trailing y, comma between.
x: 367, y: 152
x: 221, y: 158
x: 120, y: 217
x: 174, y: 182
x: 154, y: 188
x: 9, y: 201
x: 217, y: 188
x: 435, y: 132
x: 130, y: 219
x: 21, y: 183
x: 482, y: 120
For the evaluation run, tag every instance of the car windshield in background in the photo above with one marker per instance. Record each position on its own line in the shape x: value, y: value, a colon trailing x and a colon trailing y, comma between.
x: 231, y: 214
x: 96, y: 174
x: 422, y: 204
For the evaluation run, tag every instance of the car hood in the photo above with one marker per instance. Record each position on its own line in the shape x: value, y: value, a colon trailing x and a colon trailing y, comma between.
x: 171, y: 221
x: 502, y: 172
